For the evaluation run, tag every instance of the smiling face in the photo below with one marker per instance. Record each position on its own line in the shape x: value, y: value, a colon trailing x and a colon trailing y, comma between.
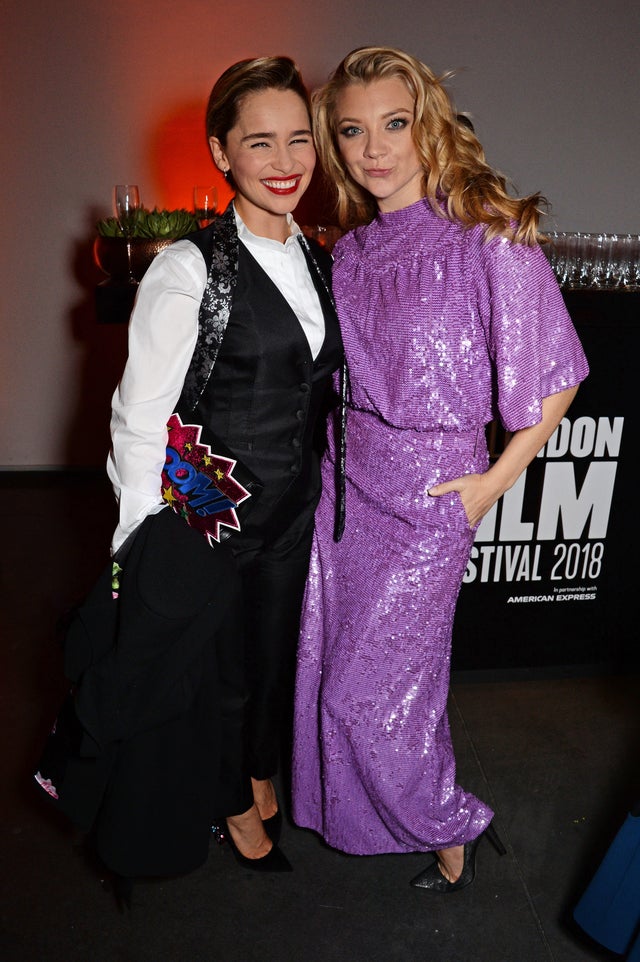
x: 271, y: 156
x: 373, y: 124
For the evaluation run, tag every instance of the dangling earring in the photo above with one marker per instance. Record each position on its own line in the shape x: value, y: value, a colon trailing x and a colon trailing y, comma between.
x: 226, y: 173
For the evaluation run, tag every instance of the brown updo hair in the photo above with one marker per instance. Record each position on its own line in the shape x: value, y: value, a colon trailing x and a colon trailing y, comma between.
x: 248, y: 77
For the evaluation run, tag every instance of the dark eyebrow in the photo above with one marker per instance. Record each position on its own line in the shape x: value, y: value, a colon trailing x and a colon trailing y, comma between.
x: 389, y: 113
x: 270, y: 134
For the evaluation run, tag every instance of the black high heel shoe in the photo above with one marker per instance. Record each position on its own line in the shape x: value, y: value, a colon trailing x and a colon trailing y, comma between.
x: 273, y: 861
x: 273, y: 826
x: 433, y: 879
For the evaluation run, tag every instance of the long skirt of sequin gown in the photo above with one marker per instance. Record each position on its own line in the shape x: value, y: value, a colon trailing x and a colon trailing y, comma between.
x: 373, y: 764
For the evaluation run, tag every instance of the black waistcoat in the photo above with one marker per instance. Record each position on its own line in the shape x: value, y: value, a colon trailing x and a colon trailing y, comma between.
x: 266, y: 397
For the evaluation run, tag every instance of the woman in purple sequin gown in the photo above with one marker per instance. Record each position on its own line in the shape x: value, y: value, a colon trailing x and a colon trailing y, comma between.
x: 451, y: 316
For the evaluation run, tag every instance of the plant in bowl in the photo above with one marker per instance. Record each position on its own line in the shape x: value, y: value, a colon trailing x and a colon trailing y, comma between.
x: 152, y: 231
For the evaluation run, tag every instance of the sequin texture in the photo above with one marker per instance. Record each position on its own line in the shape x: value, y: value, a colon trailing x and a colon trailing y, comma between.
x: 440, y: 330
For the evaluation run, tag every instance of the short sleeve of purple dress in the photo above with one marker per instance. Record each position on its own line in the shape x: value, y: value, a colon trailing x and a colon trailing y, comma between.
x: 442, y: 331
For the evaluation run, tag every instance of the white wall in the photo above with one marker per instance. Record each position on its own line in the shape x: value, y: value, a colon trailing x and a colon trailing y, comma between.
x: 93, y: 93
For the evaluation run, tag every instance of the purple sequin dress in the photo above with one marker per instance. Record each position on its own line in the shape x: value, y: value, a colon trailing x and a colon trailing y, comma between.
x: 438, y: 327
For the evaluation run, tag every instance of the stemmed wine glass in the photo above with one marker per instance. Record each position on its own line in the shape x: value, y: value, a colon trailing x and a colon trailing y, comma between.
x: 205, y: 204
x: 126, y: 203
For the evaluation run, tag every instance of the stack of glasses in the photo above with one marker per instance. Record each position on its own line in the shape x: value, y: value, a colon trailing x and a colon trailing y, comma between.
x: 600, y: 261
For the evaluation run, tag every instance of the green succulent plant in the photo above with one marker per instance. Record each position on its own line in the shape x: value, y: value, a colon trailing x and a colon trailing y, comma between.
x: 152, y: 223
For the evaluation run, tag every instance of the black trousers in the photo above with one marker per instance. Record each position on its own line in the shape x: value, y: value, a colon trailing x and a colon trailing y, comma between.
x: 273, y: 581
x: 170, y: 782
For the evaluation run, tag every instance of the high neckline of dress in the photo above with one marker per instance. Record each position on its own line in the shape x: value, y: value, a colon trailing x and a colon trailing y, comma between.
x: 389, y: 230
x: 419, y: 215
x: 393, y: 217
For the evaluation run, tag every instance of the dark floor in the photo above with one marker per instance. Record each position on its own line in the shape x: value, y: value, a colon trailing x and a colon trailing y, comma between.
x: 556, y: 757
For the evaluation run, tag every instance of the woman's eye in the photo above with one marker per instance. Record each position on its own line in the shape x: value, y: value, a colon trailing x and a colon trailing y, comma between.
x: 349, y: 131
x: 397, y: 123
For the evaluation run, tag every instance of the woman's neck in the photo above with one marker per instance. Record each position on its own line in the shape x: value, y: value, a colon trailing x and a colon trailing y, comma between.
x: 263, y: 223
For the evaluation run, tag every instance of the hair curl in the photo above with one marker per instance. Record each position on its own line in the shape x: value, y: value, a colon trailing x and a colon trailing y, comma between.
x: 458, y: 182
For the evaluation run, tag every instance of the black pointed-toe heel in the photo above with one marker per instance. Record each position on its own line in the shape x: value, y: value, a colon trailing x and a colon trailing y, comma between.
x: 273, y: 826
x: 433, y: 879
x: 274, y: 861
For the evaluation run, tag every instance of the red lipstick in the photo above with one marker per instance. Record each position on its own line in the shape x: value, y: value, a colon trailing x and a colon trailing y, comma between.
x: 282, y: 185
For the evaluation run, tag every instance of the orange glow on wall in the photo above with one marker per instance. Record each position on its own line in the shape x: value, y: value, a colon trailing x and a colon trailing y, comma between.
x: 179, y: 158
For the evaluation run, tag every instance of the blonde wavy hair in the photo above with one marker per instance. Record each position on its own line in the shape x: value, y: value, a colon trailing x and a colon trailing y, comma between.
x: 458, y: 182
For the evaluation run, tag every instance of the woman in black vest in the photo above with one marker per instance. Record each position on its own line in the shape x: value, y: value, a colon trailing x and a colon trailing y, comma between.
x: 234, y: 331
x: 252, y: 360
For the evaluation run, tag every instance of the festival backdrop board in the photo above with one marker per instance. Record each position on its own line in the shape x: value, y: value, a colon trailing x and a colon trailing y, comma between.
x: 552, y: 576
